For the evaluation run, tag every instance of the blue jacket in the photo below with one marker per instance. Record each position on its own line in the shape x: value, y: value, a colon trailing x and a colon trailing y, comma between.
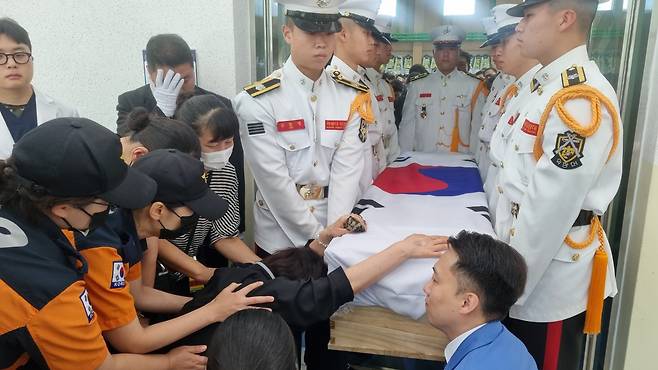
x: 492, y: 347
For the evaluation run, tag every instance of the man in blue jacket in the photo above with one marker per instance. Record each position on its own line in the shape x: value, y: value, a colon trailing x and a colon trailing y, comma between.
x: 475, y: 282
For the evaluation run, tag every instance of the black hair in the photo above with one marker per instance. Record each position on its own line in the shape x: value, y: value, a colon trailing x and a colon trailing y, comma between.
x: 155, y: 132
x: 252, y: 339
x: 492, y: 269
x: 208, y: 112
x: 167, y: 50
x: 585, y: 11
x: 14, y: 31
x: 296, y: 264
x: 28, y: 199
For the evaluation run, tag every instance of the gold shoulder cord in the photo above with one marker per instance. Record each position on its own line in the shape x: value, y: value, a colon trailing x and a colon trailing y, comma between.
x: 599, y: 269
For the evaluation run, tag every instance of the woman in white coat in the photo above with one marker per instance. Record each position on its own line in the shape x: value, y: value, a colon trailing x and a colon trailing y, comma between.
x: 22, y: 107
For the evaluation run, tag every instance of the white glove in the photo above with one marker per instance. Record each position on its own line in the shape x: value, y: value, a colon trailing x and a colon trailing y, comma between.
x: 165, y: 90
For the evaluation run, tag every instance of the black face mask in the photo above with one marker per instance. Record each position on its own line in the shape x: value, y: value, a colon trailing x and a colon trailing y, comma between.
x: 187, y: 224
x: 97, y: 220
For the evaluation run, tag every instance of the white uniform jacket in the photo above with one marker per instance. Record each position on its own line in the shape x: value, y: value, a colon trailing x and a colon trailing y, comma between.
x: 434, y: 105
x: 498, y: 146
x: 47, y: 109
x: 574, y: 173
x: 489, y: 117
x: 385, y: 97
x: 295, y: 133
x: 374, y: 152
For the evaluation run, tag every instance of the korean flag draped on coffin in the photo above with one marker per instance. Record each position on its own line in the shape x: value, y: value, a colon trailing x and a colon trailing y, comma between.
x: 427, y: 193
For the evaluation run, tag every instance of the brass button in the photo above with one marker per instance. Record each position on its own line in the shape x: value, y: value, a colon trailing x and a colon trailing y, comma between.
x: 500, y: 190
x: 502, y: 165
x: 315, y: 163
x: 292, y: 147
x: 511, y: 232
x: 443, y: 98
x: 575, y: 257
x: 314, y: 98
x: 442, y: 113
x: 540, y: 90
x: 312, y: 209
x: 516, y: 148
x: 260, y: 203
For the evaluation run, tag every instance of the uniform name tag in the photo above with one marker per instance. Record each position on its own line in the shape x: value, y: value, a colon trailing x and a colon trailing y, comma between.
x: 380, y: 97
x: 334, y: 125
x: 530, y: 128
x: 292, y: 125
x: 425, y: 95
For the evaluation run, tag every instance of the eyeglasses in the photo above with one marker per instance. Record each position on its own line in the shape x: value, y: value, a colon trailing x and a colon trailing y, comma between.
x: 20, y: 58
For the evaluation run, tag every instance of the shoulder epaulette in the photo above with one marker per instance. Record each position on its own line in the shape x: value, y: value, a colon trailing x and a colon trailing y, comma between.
x: 418, y: 77
x: 261, y: 87
x: 574, y: 75
x: 338, y: 77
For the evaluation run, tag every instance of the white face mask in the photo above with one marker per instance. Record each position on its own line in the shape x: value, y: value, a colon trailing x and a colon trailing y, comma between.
x: 215, y: 161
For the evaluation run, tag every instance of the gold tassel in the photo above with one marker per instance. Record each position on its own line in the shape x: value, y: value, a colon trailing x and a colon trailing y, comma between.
x: 363, y: 106
x: 596, y: 291
x: 454, y: 144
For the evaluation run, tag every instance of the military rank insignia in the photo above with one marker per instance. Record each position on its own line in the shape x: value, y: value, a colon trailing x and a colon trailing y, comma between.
x: 423, y: 111
x: 568, y: 151
x: 573, y: 76
x: 363, y: 131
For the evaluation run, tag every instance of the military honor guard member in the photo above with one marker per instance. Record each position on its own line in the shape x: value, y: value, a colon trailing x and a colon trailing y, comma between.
x: 562, y: 170
x: 512, y: 100
x: 382, y: 90
x: 306, y: 157
x: 492, y: 107
x: 355, y: 50
x: 438, y: 113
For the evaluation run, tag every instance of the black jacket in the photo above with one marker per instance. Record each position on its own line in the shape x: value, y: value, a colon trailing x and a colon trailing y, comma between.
x: 142, y: 97
x: 300, y: 302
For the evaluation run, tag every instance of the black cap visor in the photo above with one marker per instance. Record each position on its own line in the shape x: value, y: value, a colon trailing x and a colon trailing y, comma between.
x: 137, y: 190
x: 501, y: 35
x: 313, y: 22
x: 517, y: 11
x: 210, y: 206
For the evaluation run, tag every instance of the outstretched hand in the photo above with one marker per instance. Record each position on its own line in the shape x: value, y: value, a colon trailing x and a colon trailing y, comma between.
x: 230, y: 300
x: 424, y: 246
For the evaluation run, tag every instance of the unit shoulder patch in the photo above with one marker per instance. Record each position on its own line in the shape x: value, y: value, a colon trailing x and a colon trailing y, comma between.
x: 574, y: 75
x: 418, y: 77
x: 359, y: 86
x: 568, y: 152
x: 263, y: 86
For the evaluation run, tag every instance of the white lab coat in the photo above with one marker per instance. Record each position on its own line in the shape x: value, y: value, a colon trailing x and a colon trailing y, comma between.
x: 47, y: 109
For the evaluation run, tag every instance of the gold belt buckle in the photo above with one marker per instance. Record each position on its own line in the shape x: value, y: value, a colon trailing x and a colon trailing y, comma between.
x: 311, y: 192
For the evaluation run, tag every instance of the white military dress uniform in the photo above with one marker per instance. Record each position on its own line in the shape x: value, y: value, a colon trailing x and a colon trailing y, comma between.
x: 385, y: 97
x: 438, y: 105
x: 502, y: 27
x: 575, y: 173
x: 498, y: 146
x: 373, y: 151
x: 304, y: 148
x: 435, y: 103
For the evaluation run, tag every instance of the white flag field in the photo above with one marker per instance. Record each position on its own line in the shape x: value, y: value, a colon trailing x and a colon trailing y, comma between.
x: 426, y: 193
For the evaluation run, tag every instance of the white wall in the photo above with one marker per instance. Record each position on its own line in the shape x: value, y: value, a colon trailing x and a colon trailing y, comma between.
x: 88, y: 52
